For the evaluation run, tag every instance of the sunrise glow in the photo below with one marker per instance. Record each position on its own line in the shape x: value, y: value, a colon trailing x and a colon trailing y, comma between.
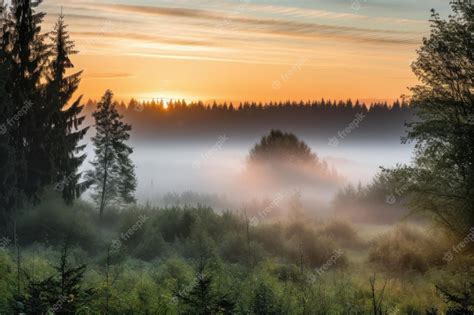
x: 236, y: 50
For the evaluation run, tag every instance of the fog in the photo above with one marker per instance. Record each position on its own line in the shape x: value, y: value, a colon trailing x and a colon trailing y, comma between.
x: 217, y: 167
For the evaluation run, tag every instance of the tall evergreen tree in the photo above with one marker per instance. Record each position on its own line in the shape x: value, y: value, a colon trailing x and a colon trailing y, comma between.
x: 28, y: 127
x: 113, y: 176
x: 40, y: 133
x: 66, y: 120
x: 7, y: 158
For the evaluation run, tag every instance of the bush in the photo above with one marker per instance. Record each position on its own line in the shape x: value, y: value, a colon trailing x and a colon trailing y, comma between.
x: 52, y: 221
x: 343, y: 233
x: 406, y: 249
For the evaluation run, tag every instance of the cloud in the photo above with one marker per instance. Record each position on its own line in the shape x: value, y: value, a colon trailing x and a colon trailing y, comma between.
x: 281, y: 27
x: 145, y: 38
x: 109, y: 75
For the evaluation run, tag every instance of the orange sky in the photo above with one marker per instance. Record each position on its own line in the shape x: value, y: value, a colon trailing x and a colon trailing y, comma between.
x: 245, y: 50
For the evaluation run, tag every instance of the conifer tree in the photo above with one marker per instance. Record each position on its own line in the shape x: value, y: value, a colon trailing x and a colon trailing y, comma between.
x: 28, y: 57
x: 7, y: 173
x: 113, y: 175
x: 66, y: 120
x: 39, y: 132
x: 201, y: 298
x: 62, y: 293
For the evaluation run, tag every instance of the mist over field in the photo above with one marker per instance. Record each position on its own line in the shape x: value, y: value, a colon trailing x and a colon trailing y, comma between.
x: 226, y: 157
x: 170, y: 167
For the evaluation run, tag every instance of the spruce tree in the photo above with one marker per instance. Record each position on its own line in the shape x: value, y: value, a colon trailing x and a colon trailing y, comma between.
x: 113, y: 175
x: 28, y: 127
x: 7, y: 158
x: 66, y: 120
x: 62, y: 293
x: 39, y: 128
x: 201, y: 298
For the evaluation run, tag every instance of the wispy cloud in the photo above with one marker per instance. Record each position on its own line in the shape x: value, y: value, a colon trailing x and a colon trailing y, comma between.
x: 109, y: 75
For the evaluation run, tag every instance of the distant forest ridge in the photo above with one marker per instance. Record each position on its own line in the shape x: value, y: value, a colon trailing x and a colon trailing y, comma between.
x: 318, y: 119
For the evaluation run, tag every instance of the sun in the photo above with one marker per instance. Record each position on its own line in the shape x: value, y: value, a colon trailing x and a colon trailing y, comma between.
x: 164, y: 97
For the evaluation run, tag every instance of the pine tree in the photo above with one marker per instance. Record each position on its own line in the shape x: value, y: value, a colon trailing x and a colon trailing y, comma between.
x: 66, y: 121
x: 202, y: 300
x: 113, y: 176
x: 62, y: 293
x: 265, y: 301
x: 7, y: 158
x: 39, y: 134
x: 27, y: 127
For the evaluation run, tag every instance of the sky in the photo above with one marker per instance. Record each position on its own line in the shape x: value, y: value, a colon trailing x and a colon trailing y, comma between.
x: 246, y: 50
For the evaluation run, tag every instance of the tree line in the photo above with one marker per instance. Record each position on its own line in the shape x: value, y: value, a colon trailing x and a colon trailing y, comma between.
x: 321, y: 118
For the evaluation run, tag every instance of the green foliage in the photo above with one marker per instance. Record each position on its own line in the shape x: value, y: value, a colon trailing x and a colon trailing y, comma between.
x: 442, y: 176
x: 52, y: 220
x: 145, y: 275
x: 61, y: 293
x: 265, y: 301
x: 201, y: 298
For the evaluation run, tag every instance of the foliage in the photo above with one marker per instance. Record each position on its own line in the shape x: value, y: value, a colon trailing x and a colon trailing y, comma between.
x: 279, y: 146
x: 406, y: 249
x: 442, y: 176
x: 66, y: 119
x: 113, y: 177
x: 61, y: 293
x: 201, y: 298
x: 39, y: 134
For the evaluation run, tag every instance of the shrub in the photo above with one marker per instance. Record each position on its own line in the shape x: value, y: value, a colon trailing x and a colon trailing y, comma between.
x: 343, y: 233
x: 406, y: 249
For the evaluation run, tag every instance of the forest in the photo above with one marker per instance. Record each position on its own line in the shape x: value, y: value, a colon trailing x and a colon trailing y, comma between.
x: 177, y: 119
x: 75, y: 239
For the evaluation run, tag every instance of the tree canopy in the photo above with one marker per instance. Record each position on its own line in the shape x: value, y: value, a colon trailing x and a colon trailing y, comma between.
x: 281, y: 146
x: 441, y: 180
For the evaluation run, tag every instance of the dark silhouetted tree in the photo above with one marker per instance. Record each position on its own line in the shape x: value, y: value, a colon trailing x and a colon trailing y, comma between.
x: 279, y: 146
x: 8, y: 193
x: 113, y: 176
x: 39, y: 127
x: 442, y: 179
x: 65, y: 136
